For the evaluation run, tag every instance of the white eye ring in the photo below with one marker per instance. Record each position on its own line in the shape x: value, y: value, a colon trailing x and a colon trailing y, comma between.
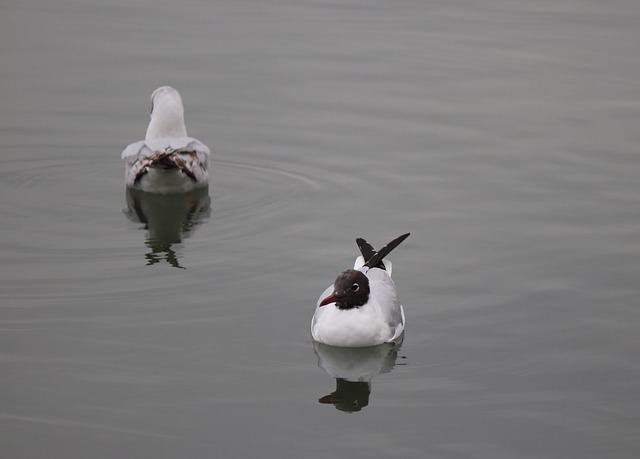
x: 355, y: 287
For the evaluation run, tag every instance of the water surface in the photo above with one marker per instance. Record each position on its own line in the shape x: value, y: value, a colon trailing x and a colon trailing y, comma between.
x: 503, y: 135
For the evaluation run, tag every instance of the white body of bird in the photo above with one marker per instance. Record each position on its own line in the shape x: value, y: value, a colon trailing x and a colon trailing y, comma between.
x: 362, y: 307
x: 380, y: 320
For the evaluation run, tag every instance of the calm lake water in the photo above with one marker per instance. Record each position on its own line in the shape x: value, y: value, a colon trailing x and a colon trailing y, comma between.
x: 504, y: 135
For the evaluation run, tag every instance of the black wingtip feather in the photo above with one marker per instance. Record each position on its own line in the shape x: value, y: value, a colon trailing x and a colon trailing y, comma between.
x: 366, y: 249
x: 368, y: 252
x: 375, y: 261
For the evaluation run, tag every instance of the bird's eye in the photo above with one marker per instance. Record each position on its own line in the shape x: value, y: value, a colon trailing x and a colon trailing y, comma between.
x: 355, y: 287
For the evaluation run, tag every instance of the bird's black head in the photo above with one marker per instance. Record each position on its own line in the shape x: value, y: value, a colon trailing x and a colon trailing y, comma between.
x: 350, y: 290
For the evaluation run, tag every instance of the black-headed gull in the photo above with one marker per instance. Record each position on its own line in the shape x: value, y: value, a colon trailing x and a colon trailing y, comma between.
x: 167, y: 160
x: 361, y: 308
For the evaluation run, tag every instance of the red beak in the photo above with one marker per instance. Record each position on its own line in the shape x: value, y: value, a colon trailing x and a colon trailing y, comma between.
x: 330, y: 299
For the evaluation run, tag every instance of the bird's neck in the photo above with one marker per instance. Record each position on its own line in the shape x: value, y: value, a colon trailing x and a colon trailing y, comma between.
x: 345, y: 306
x: 166, y: 123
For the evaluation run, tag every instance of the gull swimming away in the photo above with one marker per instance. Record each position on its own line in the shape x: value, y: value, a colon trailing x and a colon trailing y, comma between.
x: 167, y: 160
x: 361, y: 308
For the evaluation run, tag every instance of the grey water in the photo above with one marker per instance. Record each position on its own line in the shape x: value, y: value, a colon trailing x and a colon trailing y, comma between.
x: 504, y: 135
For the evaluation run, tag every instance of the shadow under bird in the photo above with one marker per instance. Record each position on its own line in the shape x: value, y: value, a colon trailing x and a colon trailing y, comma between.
x: 354, y: 369
x: 361, y: 308
x: 167, y: 160
x: 168, y: 220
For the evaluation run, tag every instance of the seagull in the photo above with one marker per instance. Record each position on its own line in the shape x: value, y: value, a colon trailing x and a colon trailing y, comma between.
x: 167, y: 160
x: 361, y: 308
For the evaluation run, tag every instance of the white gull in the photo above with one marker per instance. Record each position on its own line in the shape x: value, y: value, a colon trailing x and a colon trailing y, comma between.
x: 167, y: 160
x: 362, y: 307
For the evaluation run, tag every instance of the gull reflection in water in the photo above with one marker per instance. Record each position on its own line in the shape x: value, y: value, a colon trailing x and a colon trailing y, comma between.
x: 168, y: 219
x: 354, y: 368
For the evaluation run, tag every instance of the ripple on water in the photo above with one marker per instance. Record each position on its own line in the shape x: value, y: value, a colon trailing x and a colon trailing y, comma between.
x: 68, y: 237
x: 247, y: 193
